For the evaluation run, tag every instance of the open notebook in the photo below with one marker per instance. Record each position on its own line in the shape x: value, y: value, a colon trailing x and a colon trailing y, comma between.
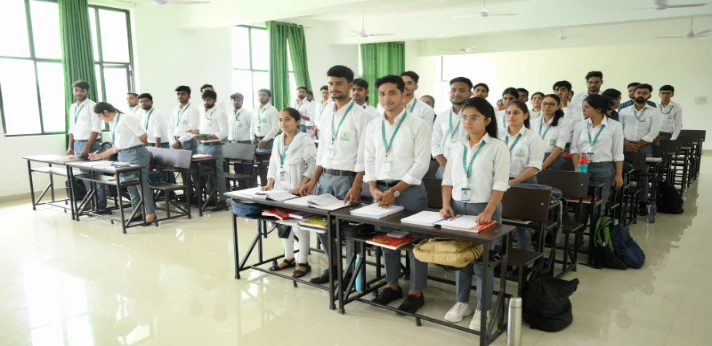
x: 373, y: 211
x: 465, y: 223
x: 424, y: 218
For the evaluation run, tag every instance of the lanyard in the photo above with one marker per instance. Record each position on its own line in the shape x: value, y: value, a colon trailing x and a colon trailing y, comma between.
x: 468, y: 168
x: 334, y: 133
x: 452, y: 132
x: 259, y: 115
x: 209, y: 116
x: 113, y: 131
x: 299, y: 105
x: 662, y: 109
x: 237, y: 115
x: 322, y: 108
x: 514, y: 144
x: 635, y: 113
x: 283, y: 154
x: 383, y: 132
x: 541, y: 124
x: 595, y: 140
x: 180, y: 113
x: 413, y: 106
x: 148, y: 118
x: 76, y: 113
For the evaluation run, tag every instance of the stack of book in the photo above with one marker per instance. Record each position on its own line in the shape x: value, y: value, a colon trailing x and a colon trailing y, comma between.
x: 393, y: 240
x: 373, y: 211
x: 314, y: 224
x: 465, y: 223
x: 326, y: 202
x: 280, y: 214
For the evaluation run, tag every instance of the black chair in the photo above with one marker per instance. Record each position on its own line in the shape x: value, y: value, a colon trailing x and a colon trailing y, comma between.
x: 433, y: 187
x: 432, y: 169
x: 177, y: 160
x: 242, y: 158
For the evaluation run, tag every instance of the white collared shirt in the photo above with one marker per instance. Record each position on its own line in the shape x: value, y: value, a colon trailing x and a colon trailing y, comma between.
x: 348, y: 142
x: 535, y: 115
x: 299, y: 161
x: 672, y: 119
x: 490, y: 169
x: 125, y: 130
x: 556, y: 136
x: 213, y: 122
x: 240, y: 128
x: 370, y: 110
x: 416, y: 107
x: 304, y: 108
x: 182, y: 120
x: 265, y: 122
x: 528, y: 151
x: 409, y: 155
x: 83, y: 121
x: 318, y: 109
x: 576, y: 107
x: 135, y: 111
x: 155, y: 125
x: 607, y: 148
x: 447, y: 132
x: 640, y: 125
x: 501, y: 118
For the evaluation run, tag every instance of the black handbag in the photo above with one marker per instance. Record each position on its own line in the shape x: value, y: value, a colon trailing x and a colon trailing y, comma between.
x: 546, y: 304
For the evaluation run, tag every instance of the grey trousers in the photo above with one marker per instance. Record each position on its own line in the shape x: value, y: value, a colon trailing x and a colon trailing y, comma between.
x: 337, y: 186
x: 217, y: 152
x: 140, y: 156
x: 464, y: 275
x: 100, y: 188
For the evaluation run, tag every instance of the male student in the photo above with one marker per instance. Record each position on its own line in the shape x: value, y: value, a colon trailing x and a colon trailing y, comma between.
x: 672, y: 114
x: 134, y: 109
x: 641, y: 125
x: 319, y: 108
x: 594, y: 81
x: 359, y: 92
x: 184, y: 120
x: 523, y: 95
x: 213, y: 129
x: 631, y: 95
x: 220, y: 104
x: 153, y: 122
x: 481, y: 90
x: 84, y: 128
x: 302, y: 105
x: 429, y: 100
x: 396, y: 157
x: 264, y: 126
x: 339, y: 161
x: 410, y: 102
x: 563, y: 90
x: 448, y: 124
x: 239, y: 121
x: 310, y: 96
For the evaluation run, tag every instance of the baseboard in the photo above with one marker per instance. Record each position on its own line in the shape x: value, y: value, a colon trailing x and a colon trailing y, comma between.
x: 706, y: 151
x: 25, y: 196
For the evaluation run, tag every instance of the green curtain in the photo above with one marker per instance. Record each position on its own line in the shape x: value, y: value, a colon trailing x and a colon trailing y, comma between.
x: 381, y: 59
x: 298, y: 50
x: 278, y: 65
x: 77, y: 52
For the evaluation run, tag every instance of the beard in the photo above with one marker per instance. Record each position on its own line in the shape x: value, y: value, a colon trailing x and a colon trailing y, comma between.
x: 640, y: 100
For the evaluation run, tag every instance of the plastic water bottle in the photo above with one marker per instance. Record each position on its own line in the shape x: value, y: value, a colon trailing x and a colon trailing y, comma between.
x: 583, y: 163
x: 359, y: 282
x: 652, y: 209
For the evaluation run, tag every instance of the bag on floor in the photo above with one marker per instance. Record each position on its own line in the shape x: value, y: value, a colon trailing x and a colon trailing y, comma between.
x: 602, y: 247
x: 546, y: 305
x: 626, y: 248
x: 79, y: 190
x: 668, y: 200
x: 448, y: 252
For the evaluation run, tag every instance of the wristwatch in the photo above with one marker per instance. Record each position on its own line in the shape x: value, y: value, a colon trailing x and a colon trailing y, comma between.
x: 395, y: 192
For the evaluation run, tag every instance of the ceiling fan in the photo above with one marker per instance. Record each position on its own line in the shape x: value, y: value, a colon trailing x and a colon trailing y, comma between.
x: 484, y: 13
x: 663, y: 5
x: 363, y: 33
x: 461, y: 50
x: 564, y: 37
x: 691, y: 34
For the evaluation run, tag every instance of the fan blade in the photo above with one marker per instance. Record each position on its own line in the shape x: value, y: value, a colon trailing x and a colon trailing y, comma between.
x: 355, y: 32
x: 449, y: 50
x: 670, y: 37
x: 501, y: 14
x: 703, y: 32
x: 686, y: 5
x: 468, y: 48
x: 184, y: 2
x: 466, y: 16
x: 369, y: 35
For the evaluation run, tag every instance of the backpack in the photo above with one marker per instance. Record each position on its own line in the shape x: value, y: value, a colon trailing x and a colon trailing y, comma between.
x: 668, y: 200
x: 602, y: 245
x: 626, y: 248
x: 79, y: 190
x: 545, y: 304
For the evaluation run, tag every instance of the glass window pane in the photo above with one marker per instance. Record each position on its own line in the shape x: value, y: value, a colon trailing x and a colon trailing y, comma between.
x: 19, y: 95
x: 260, y: 49
x: 99, y: 93
x: 114, y: 36
x: 289, y: 60
x: 51, y: 79
x: 292, y: 88
x: 242, y: 83
x: 240, y: 47
x: 45, y: 29
x: 92, y: 27
x: 13, y: 25
x: 115, y: 81
x: 260, y: 80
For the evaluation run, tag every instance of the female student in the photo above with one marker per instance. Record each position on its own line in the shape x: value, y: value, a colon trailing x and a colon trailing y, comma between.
x: 555, y: 131
x: 291, y: 166
x: 509, y: 95
x: 536, y: 99
x: 615, y: 97
x: 129, y: 139
x: 474, y: 182
x: 526, y: 150
x: 602, y: 139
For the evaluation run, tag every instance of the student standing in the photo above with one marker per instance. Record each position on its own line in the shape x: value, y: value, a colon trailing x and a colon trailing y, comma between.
x: 594, y: 81
x: 509, y: 95
x: 129, y: 138
x: 537, y: 97
x: 213, y: 129
x: 239, y: 121
x: 429, y: 100
x: 500, y: 106
x: 219, y: 104
x: 556, y: 132
x: 132, y: 101
x: 291, y: 166
x: 523, y: 95
x: 153, y: 122
x: 672, y: 114
x: 302, y: 105
x: 397, y: 156
x: 473, y: 184
x: 448, y: 131
x: 481, y: 90
x: 319, y: 109
x: 563, y: 90
x: 265, y: 121
x: 414, y: 106
x: 359, y: 92
x: 185, y: 119
x: 615, y: 96
x: 631, y: 97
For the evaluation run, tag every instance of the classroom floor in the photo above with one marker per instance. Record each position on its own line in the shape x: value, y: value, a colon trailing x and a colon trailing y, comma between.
x: 86, y: 283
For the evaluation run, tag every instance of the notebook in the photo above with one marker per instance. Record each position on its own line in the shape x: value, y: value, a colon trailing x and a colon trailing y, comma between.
x: 300, y: 201
x: 326, y: 202
x: 424, y: 218
x: 244, y: 193
x: 373, y: 211
x: 392, y: 243
x: 300, y: 215
x: 465, y: 223
x: 279, y: 196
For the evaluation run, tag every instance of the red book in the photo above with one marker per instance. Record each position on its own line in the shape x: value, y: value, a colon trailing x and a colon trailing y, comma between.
x: 385, y: 241
x: 281, y: 214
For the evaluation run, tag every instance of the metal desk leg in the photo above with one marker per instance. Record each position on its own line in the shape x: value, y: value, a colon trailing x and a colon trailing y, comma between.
x: 32, y: 185
x: 235, y: 245
x: 330, y: 247
x: 51, y: 183
x: 486, y: 299
x: 70, y: 179
x: 199, y: 189
x: 121, y: 203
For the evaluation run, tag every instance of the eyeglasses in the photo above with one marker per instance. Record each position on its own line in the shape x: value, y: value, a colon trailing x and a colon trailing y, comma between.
x: 471, y: 119
x: 548, y: 104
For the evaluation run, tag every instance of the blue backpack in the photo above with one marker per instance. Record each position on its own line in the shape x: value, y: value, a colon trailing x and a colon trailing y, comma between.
x: 626, y: 248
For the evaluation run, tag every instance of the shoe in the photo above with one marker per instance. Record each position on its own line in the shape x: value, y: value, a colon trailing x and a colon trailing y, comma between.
x: 412, y: 303
x: 477, y: 320
x: 222, y: 205
x: 388, y: 295
x: 643, y: 210
x: 458, y: 312
x: 323, y: 278
x: 104, y: 212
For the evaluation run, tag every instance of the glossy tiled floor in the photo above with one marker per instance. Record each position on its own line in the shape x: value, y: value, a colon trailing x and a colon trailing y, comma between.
x: 69, y: 283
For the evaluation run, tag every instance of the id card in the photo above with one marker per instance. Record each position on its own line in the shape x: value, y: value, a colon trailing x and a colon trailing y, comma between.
x: 465, y: 194
x: 386, y: 166
x: 330, y: 153
x: 259, y: 129
x: 282, y: 176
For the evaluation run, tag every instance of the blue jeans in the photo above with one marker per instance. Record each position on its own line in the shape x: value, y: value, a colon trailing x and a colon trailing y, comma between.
x: 100, y: 188
x: 524, y: 234
x: 140, y: 156
x: 217, y: 152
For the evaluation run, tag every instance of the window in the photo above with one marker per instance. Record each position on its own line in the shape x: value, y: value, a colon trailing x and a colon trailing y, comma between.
x: 32, y: 86
x: 250, y: 60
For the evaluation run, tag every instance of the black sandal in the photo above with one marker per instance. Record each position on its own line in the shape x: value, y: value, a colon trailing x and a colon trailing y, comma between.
x: 290, y: 264
x: 298, y: 273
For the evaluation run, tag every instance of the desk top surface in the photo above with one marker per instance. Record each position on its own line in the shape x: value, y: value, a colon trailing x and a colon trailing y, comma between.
x: 242, y: 198
x: 53, y: 159
x: 102, y: 166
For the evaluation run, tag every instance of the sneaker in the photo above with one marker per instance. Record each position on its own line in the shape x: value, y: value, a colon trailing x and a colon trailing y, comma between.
x: 457, y: 312
x: 388, y: 295
x: 477, y: 320
x: 412, y: 303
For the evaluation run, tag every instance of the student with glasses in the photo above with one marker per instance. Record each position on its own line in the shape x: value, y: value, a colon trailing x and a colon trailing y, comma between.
x: 556, y: 132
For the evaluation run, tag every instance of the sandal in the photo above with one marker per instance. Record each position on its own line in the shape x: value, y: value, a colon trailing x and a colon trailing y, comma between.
x: 290, y: 264
x: 299, y: 273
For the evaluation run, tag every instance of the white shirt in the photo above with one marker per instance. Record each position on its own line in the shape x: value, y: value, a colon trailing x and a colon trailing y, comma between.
x: 370, y: 110
x: 299, y: 161
x: 83, y: 121
x: 557, y: 136
x: 447, y: 132
x: 607, y: 148
x: 409, y: 156
x: 125, y: 130
x: 576, y: 106
x: 155, y: 125
x: 490, y: 169
x: 213, y: 122
x: 318, y: 109
x: 240, y: 128
x: 183, y: 120
x: 304, y: 108
x: 535, y: 115
x: 527, y: 152
x: 501, y: 118
x: 672, y: 118
x: 135, y: 111
x: 348, y: 142
x: 640, y: 125
x: 416, y: 107
x: 265, y: 122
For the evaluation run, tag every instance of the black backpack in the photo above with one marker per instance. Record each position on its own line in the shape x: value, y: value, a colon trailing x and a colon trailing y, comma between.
x: 626, y: 248
x: 546, y: 304
x: 79, y: 190
x: 602, y: 245
x: 668, y: 200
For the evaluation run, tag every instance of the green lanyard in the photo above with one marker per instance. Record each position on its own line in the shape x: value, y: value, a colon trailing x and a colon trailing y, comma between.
x: 635, y: 113
x: 113, y: 131
x: 237, y: 115
x: 541, y: 124
x: 148, y: 118
x: 662, y: 109
x: 283, y: 154
x: 595, y: 140
x: 514, y: 144
x: 181, y: 112
x: 259, y: 115
x: 322, y: 108
x: 468, y: 168
x: 452, y: 132
x: 383, y: 132
x: 334, y: 133
x: 76, y: 113
x: 299, y: 105
x: 413, y: 106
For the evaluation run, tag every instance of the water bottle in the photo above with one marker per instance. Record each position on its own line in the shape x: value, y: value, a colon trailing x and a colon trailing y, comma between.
x: 359, y: 281
x: 583, y: 163
x: 652, y: 209
x: 514, y: 322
